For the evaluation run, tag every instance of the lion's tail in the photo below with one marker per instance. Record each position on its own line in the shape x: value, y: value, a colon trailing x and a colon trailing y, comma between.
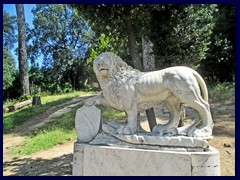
x: 202, y: 85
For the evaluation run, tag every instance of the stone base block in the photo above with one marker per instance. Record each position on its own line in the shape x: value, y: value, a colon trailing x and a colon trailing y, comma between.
x: 96, y: 160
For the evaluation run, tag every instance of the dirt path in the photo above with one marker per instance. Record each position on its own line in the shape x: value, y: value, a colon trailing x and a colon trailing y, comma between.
x: 17, y: 136
x: 58, y: 160
x: 48, y: 116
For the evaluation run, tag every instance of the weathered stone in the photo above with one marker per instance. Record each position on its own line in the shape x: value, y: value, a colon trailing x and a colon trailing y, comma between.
x: 148, y: 141
x: 87, y: 123
x: 132, y: 91
x: 203, y: 163
x: 95, y: 160
x: 125, y: 149
x: 151, y: 138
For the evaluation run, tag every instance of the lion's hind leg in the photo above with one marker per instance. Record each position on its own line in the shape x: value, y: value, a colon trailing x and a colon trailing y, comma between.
x: 195, y: 101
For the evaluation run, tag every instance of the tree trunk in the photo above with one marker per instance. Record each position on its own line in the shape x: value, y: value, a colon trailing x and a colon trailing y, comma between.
x: 148, y: 56
x: 132, y: 44
x: 22, y: 50
x: 36, y: 100
x: 149, y: 65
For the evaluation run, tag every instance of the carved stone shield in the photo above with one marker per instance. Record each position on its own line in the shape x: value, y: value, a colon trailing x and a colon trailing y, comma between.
x: 87, y: 123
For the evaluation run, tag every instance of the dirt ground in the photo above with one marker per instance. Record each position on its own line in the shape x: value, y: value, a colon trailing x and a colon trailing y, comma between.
x: 57, y: 161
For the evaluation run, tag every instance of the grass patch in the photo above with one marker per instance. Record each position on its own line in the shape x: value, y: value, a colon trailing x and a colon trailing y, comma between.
x: 222, y: 91
x: 60, y: 131
x: 44, y: 140
x: 110, y: 114
x: 16, y: 118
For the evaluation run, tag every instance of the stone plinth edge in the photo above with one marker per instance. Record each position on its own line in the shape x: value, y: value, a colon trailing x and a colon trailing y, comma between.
x: 97, y: 160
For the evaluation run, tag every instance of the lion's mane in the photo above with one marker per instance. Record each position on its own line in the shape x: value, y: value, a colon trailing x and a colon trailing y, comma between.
x: 120, y: 73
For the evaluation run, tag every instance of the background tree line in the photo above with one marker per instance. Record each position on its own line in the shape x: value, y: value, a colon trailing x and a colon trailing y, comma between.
x: 69, y: 37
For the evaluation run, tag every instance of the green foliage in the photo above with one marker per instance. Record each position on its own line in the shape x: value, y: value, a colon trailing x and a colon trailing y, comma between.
x: 110, y: 20
x: 9, y: 38
x: 105, y: 18
x: 9, y: 69
x: 88, y: 88
x: 220, y: 61
x: 13, y: 91
x: 222, y: 91
x: 187, y: 34
x: 9, y: 26
x: 183, y: 38
x: 62, y: 37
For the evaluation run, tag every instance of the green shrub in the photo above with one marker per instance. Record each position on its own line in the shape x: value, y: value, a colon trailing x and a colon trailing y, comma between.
x: 222, y: 91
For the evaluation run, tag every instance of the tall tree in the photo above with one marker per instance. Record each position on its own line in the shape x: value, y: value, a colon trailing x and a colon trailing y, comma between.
x: 22, y: 50
x: 117, y: 19
x: 180, y: 33
x: 219, y: 64
x: 62, y: 37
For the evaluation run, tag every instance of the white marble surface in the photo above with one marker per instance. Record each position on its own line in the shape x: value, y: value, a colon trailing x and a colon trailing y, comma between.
x: 206, y: 163
x: 92, y: 160
x: 87, y: 123
x: 132, y: 91
x: 153, y: 139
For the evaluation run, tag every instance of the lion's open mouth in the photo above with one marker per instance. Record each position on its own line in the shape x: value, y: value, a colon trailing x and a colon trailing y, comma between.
x: 103, y: 69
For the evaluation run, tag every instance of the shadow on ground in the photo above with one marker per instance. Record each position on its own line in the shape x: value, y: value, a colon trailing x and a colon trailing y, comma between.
x: 224, y: 129
x: 59, y: 166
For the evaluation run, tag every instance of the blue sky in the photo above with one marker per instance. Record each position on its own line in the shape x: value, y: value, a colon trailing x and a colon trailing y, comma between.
x: 11, y: 9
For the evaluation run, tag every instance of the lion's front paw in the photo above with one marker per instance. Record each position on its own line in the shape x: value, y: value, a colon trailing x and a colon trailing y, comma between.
x: 159, y: 129
x: 169, y: 132
x: 126, y: 130
x: 165, y: 131
x: 205, y: 133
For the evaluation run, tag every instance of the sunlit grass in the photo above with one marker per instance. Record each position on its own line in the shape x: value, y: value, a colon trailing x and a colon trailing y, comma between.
x: 16, y: 118
x: 110, y: 114
x: 59, y: 132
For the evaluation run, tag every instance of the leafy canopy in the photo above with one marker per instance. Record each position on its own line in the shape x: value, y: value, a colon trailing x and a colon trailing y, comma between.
x: 62, y: 37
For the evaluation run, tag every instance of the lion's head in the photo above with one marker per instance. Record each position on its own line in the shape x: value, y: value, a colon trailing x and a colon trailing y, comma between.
x: 107, y: 64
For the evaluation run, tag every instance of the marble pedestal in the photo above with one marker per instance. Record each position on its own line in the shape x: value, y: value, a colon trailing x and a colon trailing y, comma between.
x: 97, y: 160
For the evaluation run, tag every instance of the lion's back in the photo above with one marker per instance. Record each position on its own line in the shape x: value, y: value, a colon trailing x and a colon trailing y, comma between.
x: 156, y: 83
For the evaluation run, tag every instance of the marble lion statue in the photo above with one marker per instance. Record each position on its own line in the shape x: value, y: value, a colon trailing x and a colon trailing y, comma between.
x: 132, y: 91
